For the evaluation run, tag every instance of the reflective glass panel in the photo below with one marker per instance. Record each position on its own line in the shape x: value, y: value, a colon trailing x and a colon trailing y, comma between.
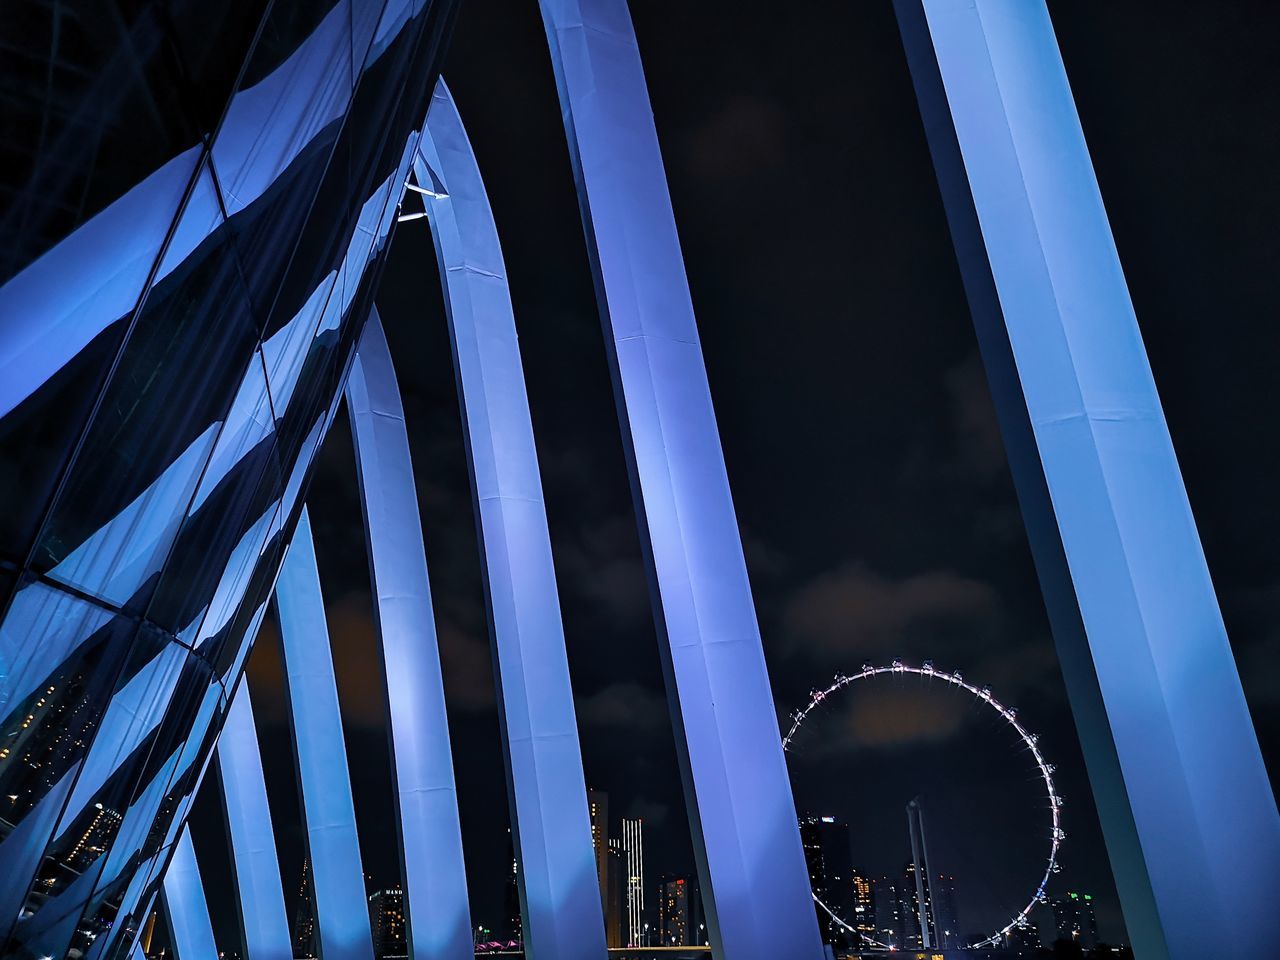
x: 219, y: 543
x: 179, y: 375
x: 152, y: 822
x: 89, y: 778
x: 274, y: 144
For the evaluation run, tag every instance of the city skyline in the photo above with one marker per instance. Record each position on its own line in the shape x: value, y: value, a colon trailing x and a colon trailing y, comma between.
x: 889, y: 905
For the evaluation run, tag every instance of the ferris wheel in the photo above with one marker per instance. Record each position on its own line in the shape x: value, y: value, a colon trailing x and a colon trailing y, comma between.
x: 1010, y: 716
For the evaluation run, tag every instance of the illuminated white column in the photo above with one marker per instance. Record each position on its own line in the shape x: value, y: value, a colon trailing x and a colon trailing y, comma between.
x: 253, y: 845
x: 1182, y: 792
x: 438, y: 923
x: 746, y: 839
x: 185, y: 905
x: 560, y: 893
x: 328, y: 810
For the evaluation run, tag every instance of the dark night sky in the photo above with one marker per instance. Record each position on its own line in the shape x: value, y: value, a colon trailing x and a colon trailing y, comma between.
x: 871, y: 486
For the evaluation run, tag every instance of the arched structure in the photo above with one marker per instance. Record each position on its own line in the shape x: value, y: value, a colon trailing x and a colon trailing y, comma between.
x: 438, y: 920
x: 202, y: 360
x: 755, y: 885
x: 559, y: 890
x: 320, y: 751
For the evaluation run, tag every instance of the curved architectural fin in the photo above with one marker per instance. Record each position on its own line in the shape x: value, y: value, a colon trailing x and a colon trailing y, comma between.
x: 260, y: 897
x: 560, y: 892
x: 328, y: 811
x: 438, y: 923
x: 754, y: 881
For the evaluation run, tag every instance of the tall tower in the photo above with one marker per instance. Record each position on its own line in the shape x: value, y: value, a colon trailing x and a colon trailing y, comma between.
x: 920, y: 859
x: 633, y: 848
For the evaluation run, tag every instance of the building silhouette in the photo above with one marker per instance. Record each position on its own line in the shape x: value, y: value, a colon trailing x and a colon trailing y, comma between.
x: 1023, y: 940
x: 945, y: 914
x: 511, y: 895
x: 887, y: 895
x: 598, y: 807
x: 304, y: 918
x: 616, y: 893
x: 675, y: 912
x: 1074, y: 919
x: 864, y: 913
x: 386, y: 923
x: 829, y: 859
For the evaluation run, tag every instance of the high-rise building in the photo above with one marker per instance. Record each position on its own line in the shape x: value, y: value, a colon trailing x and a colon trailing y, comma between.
x: 837, y: 858
x: 386, y: 923
x: 946, y: 918
x: 1074, y: 919
x: 598, y: 807
x: 95, y: 838
x: 196, y: 202
x: 811, y: 841
x: 1024, y: 941
x: 511, y: 895
x: 864, y: 914
x: 675, y: 912
x: 888, y: 903
x: 615, y: 904
x: 633, y: 848
x: 912, y: 935
x: 828, y: 856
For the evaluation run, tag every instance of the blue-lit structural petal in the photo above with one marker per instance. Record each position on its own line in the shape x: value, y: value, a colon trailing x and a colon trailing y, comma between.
x: 253, y: 846
x: 184, y: 903
x: 328, y: 811
x: 439, y: 919
x: 754, y: 880
x: 560, y: 890
x: 1188, y: 812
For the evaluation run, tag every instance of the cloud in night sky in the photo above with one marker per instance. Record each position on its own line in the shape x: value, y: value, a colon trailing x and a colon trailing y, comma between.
x: 980, y: 447
x: 599, y: 562
x: 745, y: 138
x: 468, y: 667
x: 881, y: 716
x: 627, y: 706
x: 857, y: 612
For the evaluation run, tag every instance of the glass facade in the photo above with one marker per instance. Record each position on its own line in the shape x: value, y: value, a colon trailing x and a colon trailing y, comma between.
x: 195, y: 200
